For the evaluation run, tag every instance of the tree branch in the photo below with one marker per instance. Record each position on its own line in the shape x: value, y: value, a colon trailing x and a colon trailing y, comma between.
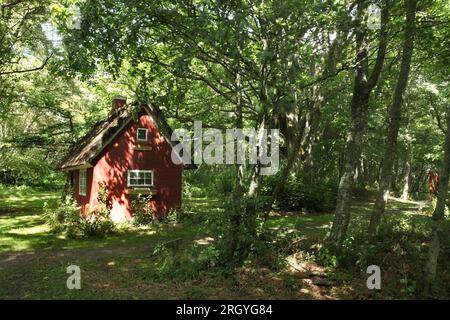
x: 42, y: 66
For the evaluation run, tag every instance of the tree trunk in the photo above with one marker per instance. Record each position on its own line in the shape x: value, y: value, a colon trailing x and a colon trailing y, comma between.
x: 406, y: 178
x: 351, y: 157
x: 363, y: 85
x: 438, y: 214
x: 300, y: 151
x: 395, y: 115
x: 239, y: 176
x: 67, y: 187
x: 255, y: 180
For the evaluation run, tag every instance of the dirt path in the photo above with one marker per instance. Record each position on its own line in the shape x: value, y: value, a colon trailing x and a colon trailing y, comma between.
x: 9, y: 259
x: 410, y: 206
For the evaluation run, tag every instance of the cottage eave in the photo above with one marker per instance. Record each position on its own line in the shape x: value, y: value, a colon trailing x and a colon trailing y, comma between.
x: 77, y: 167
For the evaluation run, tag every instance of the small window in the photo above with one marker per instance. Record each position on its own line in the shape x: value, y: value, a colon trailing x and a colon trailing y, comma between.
x: 142, y: 134
x: 140, y: 178
x: 82, y: 183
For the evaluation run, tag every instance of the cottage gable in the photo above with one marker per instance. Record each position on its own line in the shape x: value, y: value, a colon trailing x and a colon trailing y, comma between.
x: 84, y: 152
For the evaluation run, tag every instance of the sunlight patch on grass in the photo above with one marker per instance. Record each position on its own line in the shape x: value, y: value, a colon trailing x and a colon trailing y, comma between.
x: 25, y: 197
x: 31, y: 230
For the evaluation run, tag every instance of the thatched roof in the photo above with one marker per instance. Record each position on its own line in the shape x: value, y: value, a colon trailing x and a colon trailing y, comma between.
x: 102, y: 133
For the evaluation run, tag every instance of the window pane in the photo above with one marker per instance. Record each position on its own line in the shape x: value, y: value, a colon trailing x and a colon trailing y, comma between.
x: 148, y: 178
x: 82, y: 183
x: 140, y: 178
x: 142, y: 134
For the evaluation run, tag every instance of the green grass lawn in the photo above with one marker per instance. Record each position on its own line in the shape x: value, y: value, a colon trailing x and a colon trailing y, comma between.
x: 33, y: 260
x: 22, y: 226
x: 23, y: 197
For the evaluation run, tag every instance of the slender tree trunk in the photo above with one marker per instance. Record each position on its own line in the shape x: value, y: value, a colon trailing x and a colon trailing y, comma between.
x: 407, y: 171
x: 310, y: 132
x: 363, y: 85
x: 438, y: 214
x: 239, y: 175
x: 407, y: 177
x: 67, y: 186
x: 255, y: 180
x: 359, y: 174
x: 395, y: 115
x: 351, y: 157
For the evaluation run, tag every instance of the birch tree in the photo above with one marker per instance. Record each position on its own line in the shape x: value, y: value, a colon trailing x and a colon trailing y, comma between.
x: 362, y: 88
x: 395, y: 117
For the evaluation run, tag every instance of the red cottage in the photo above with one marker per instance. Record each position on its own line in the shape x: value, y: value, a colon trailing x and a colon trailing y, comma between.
x: 129, y: 153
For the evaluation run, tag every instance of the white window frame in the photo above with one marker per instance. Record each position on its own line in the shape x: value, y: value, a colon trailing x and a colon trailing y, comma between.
x: 82, y: 187
x: 137, y: 172
x: 146, y: 134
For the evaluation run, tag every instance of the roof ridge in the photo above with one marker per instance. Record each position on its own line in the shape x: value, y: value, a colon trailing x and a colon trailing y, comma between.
x: 87, y: 148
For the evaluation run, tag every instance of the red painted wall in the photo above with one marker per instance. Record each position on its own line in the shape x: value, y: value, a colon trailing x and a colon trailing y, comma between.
x: 118, y: 157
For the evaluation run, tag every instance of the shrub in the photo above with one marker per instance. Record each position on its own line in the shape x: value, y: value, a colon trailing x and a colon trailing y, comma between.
x: 171, y: 262
x: 183, y: 214
x: 224, y: 182
x: 214, y: 182
x: 142, y: 212
x: 300, y: 194
x: 98, y: 222
x: 28, y: 169
x: 66, y: 217
x: 197, y: 192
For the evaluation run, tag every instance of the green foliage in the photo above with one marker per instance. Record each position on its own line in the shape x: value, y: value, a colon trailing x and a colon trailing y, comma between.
x: 399, y: 250
x: 184, y: 214
x: 142, y: 212
x: 25, y: 197
x: 98, y: 227
x: 399, y: 234
x: 211, y: 182
x: 223, y: 182
x: 196, y: 192
x: 25, y: 169
x: 171, y: 262
x: 298, y: 194
x: 239, y: 236
x: 66, y: 218
x: 326, y: 258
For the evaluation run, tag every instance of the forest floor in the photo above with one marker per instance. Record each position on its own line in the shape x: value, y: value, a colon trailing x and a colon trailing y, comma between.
x: 33, y: 261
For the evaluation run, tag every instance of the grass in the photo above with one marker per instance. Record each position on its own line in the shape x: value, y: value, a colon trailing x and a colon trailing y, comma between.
x: 28, y: 231
x: 33, y: 261
x: 22, y: 226
x: 40, y: 258
x: 23, y: 197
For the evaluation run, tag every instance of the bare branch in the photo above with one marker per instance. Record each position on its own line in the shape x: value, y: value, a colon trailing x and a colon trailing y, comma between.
x: 42, y: 66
